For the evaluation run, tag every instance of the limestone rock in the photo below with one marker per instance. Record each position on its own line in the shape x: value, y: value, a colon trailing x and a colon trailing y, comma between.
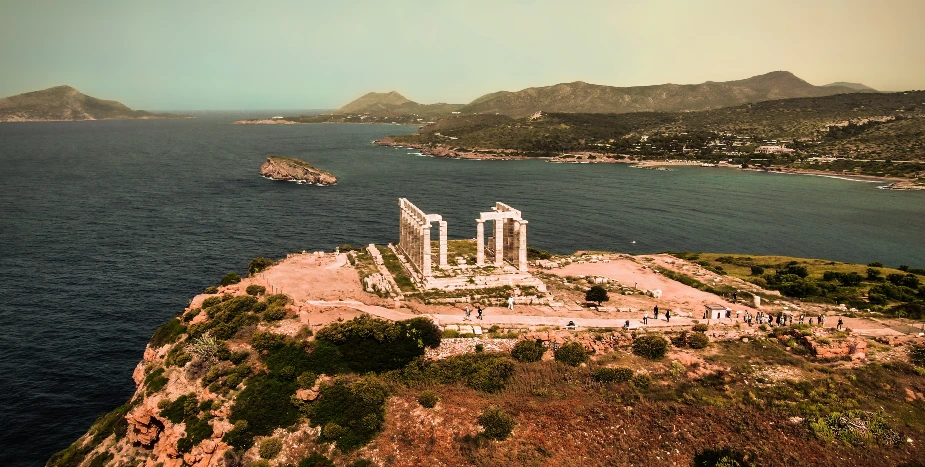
x: 296, y: 170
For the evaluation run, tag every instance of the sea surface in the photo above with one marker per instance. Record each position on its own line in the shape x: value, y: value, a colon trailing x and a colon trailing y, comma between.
x: 109, y: 228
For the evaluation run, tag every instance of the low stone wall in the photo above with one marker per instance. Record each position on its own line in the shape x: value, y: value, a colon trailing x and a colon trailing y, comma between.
x: 458, y: 346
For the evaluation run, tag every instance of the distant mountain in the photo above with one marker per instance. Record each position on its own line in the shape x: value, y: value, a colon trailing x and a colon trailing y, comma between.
x: 64, y: 103
x: 855, y: 86
x: 581, y: 97
x: 393, y: 103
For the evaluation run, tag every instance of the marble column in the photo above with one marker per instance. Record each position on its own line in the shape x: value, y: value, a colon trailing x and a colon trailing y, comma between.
x: 479, y: 242
x: 499, y: 242
x: 425, y: 251
x: 522, y: 247
x: 443, y: 240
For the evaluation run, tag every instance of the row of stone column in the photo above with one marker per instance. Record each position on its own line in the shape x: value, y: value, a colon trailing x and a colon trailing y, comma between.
x: 414, y: 238
x: 510, y: 242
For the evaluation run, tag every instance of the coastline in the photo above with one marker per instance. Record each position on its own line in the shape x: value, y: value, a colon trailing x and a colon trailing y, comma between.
x: 891, y: 183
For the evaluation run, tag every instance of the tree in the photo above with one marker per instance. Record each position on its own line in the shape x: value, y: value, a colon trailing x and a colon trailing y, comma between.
x: 597, y: 294
x: 230, y: 278
x: 528, y: 351
x: 571, y: 353
x: 259, y: 264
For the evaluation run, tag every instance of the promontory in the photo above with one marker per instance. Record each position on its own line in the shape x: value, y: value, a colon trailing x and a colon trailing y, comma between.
x: 64, y: 103
x: 295, y: 170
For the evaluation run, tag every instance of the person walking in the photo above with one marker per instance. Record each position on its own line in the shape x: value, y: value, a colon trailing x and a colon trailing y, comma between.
x: 510, y: 302
x: 468, y: 314
x: 645, y: 318
x: 840, y: 323
x: 478, y: 311
x: 667, y: 316
x: 656, y: 312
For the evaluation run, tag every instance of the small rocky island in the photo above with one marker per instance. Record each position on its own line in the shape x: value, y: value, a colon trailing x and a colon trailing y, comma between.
x: 295, y: 170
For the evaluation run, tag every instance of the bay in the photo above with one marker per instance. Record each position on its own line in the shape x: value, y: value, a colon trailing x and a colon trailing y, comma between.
x: 108, y: 228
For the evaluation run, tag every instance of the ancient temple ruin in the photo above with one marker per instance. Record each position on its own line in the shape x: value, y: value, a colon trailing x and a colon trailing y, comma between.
x: 509, y: 242
x: 501, y: 260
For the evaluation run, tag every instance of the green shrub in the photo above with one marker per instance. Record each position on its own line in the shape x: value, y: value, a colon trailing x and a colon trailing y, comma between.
x: 168, y: 333
x: 211, y: 290
x: 257, y: 265
x: 917, y: 355
x: 651, y: 346
x: 642, y: 381
x: 278, y: 299
x: 177, y: 356
x: 266, y: 340
x: 269, y: 448
x: 263, y: 406
x: 274, y: 313
x: 211, y: 301
x: 757, y: 270
x: 306, y: 380
x: 180, y: 408
x: 372, y: 344
x: 255, y: 290
x: 361, y: 463
x: 230, y: 278
x: 197, y: 429
x: 571, y: 353
x: 700, y: 328
x: 316, y: 460
x: 428, y: 399
x: 496, y: 424
x: 350, y: 413
x: 528, y: 351
x: 698, y: 340
x: 612, y: 375
x: 155, y: 381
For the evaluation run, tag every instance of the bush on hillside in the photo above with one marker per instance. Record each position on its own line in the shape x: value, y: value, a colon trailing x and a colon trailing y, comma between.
x: 316, y: 460
x: 256, y: 290
x: 571, y: 353
x: 229, y: 279
x: 260, y: 408
x: 259, y: 264
x: 487, y: 372
x: 700, y: 328
x: 266, y: 340
x: 428, y: 399
x: 612, y: 375
x: 651, y: 346
x: 372, y: 344
x: 496, y: 423
x: 698, y: 340
x: 351, y: 413
x: 269, y: 448
x: 528, y: 351
x: 211, y: 289
x: 168, y: 333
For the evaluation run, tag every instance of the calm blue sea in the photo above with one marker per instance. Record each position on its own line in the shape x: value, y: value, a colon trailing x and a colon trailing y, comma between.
x: 108, y: 228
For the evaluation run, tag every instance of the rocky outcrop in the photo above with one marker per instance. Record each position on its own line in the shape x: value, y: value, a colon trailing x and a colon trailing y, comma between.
x: 295, y: 170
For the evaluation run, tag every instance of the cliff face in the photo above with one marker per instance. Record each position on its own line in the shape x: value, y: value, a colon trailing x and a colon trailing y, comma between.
x: 285, y: 168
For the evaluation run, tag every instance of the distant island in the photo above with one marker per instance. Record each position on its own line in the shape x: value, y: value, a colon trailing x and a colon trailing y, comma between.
x: 295, y: 170
x: 64, y: 103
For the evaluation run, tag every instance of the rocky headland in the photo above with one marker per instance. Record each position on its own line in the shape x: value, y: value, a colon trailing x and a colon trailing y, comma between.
x: 326, y: 372
x: 64, y: 103
x: 295, y: 170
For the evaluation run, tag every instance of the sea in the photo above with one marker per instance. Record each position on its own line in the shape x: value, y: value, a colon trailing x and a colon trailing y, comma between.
x: 109, y: 228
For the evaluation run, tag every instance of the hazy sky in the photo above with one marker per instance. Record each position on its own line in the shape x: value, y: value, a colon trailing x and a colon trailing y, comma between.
x: 246, y: 54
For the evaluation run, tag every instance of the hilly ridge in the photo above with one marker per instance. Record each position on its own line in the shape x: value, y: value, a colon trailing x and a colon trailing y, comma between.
x: 582, y: 97
x: 64, y: 103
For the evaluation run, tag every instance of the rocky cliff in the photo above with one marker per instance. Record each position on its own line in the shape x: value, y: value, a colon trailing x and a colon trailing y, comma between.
x: 296, y: 170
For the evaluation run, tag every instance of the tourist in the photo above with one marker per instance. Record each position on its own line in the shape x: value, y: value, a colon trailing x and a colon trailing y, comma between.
x: 735, y: 296
x: 667, y: 315
x: 478, y: 311
x: 802, y: 317
x: 510, y: 302
x: 626, y: 325
x: 810, y: 321
x: 645, y: 318
x: 468, y: 313
x: 840, y: 323
x: 656, y: 312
